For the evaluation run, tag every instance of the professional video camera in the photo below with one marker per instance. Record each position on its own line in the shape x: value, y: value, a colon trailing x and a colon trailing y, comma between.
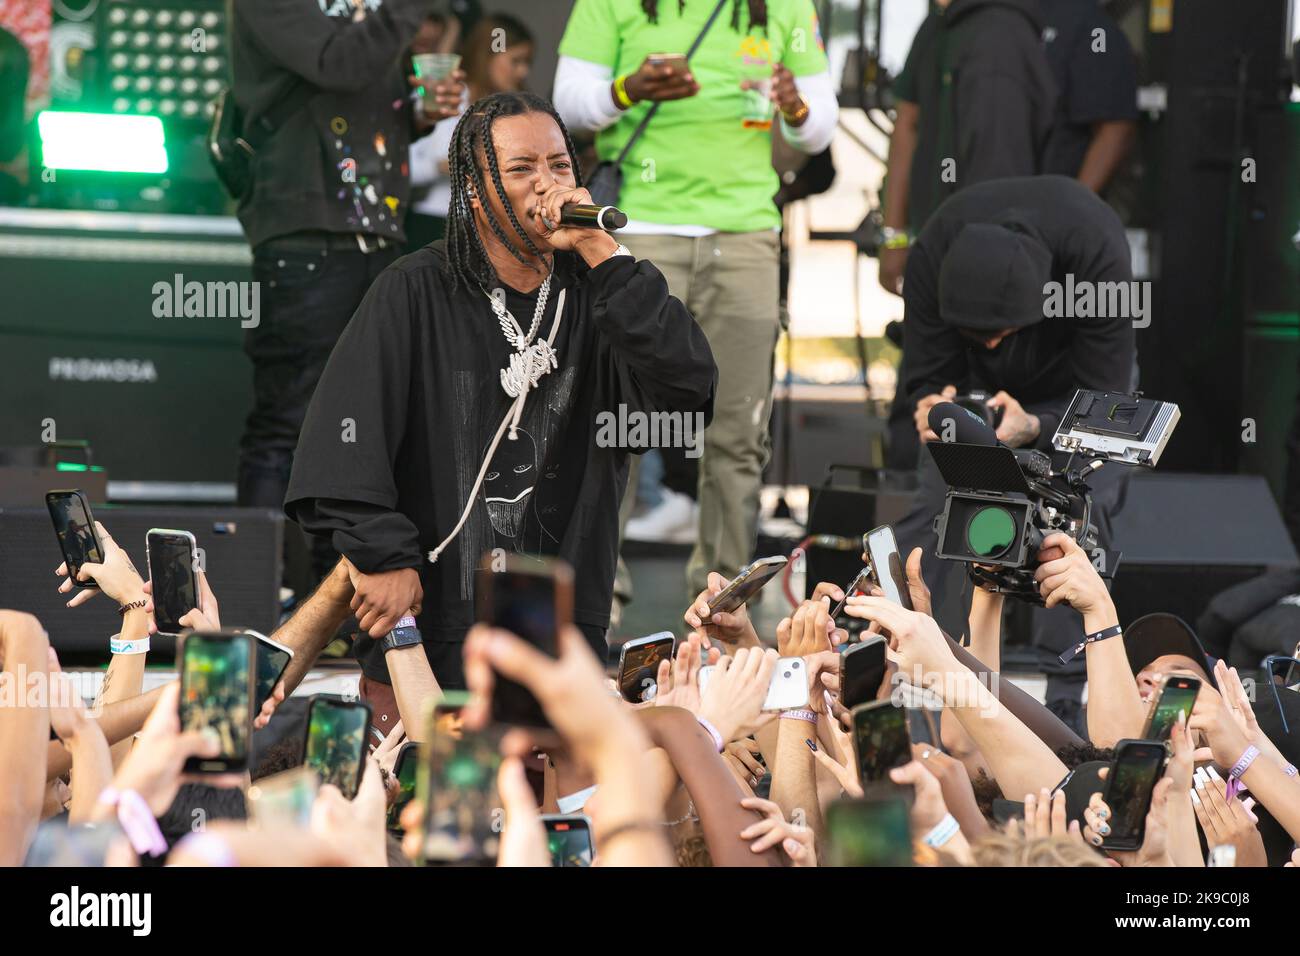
x: 1002, y: 502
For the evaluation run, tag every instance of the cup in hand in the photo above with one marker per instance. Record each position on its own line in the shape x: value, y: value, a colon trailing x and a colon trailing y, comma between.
x: 433, y: 68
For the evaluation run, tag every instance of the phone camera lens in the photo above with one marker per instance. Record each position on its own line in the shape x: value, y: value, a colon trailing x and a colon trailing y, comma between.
x: 795, y: 664
x: 786, y: 675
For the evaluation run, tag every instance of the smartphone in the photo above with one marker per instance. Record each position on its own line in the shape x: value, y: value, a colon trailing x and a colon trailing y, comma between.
x: 788, y: 689
x: 283, y: 799
x: 272, y: 661
x: 742, y: 588
x: 75, y: 527
x: 175, y: 584
x: 881, y: 742
x: 216, y: 674
x: 676, y: 60
x: 857, y: 586
x: 1176, y: 693
x: 638, y: 665
x: 862, y: 671
x: 532, y: 599
x: 335, y: 746
x: 875, y: 831
x: 457, y: 785
x: 887, y: 565
x: 1133, y: 776
x: 406, y: 770
x: 569, y: 837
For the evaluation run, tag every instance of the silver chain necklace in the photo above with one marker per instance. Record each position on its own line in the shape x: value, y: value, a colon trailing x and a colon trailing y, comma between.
x: 533, y: 359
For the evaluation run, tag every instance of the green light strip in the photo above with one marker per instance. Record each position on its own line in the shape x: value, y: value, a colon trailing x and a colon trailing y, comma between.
x: 102, y: 142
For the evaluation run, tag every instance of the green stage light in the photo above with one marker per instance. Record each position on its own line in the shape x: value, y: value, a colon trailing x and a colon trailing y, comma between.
x: 102, y: 142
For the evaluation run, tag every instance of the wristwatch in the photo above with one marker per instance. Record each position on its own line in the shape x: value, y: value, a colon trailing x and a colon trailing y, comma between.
x: 405, y: 634
x: 622, y: 250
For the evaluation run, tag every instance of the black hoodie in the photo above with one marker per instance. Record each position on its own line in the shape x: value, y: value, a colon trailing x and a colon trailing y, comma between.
x: 408, y: 405
x: 979, y: 74
x: 339, y: 163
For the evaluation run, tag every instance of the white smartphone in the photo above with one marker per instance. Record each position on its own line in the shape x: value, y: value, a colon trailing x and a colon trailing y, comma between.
x: 703, y: 677
x: 789, y: 687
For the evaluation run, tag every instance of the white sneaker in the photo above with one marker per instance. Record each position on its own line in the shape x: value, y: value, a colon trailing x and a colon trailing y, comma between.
x: 674, y: 520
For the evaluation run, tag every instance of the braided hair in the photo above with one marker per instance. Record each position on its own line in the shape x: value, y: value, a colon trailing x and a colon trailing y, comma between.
x: 757, y: 12
x: 466, y: 255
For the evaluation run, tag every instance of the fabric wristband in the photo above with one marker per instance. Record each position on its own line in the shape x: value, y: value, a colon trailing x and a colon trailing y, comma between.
x: 1114, y: 630
x: 137, y: 821
x: 808, y: 715
x: 1289, y: 770
x: 620, y: 92
x: 1240, y: 767
x: 118, y: 646
x: 713, y: 732
x: 943, y: 831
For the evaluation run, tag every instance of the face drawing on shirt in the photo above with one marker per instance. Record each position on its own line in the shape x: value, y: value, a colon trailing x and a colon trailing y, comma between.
x: 509, y: 483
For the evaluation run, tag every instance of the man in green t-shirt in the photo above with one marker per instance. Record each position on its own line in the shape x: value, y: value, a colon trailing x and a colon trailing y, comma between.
x: 698, y: 187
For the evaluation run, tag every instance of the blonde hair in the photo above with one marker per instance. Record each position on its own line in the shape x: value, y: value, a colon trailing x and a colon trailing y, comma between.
x: 1017, y: 849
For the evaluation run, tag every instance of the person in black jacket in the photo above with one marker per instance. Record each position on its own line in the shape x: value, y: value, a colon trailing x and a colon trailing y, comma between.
x: 324, y: 215
x: 461, y: 412
x: 985, y: 309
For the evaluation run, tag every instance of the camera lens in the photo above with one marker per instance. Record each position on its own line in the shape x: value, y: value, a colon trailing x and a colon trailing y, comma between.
x: 794, y: 664
x: 990, y: 532
x: 786, y: 675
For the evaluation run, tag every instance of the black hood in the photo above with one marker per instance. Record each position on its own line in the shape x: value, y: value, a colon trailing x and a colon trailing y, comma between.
x: 959, y: 8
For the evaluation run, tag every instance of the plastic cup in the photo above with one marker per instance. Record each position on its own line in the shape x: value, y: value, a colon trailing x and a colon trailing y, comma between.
x: 433, y: 67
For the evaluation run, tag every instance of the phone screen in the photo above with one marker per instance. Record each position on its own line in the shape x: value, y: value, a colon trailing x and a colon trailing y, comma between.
x: 75, y: 529
x: 888, y: 565
x: 569, y: 838
x: 216, y: 672
x: 746, y: 584
x: 336, y: 742
x: 870, y: 832
x: 1133, y: 776
x: 862, y: 670
x: 880, y: 740
x: 174, y: 584
x: 533, y: 605
x: 406, y: 770
x: 639, y: 667
x: 1177, y: 694
x: 458, y: 787
x: 271, y: 663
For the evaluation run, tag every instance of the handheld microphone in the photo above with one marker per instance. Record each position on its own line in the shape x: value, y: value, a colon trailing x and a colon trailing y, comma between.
x: 949, y: 418
x: 583, y: 216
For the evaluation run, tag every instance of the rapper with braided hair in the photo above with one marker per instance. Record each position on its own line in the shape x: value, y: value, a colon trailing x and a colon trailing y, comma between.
x: 474, y: 146
x: 475, y: 385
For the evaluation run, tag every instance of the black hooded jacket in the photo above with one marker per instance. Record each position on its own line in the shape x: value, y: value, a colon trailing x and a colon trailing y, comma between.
x: 407, y: 408
x: 979, y: 74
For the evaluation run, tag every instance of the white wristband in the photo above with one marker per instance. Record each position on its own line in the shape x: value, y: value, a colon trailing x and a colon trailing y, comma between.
x: 118, y: 646
x: 943, y: 831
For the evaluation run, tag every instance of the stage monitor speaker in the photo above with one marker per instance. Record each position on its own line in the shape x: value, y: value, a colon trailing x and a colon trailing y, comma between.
x: 241, y: 550
x: 1186, y: 537
x: 848, y: 510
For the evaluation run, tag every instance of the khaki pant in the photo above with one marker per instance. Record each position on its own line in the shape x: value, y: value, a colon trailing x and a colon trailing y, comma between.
x: 730, y: 283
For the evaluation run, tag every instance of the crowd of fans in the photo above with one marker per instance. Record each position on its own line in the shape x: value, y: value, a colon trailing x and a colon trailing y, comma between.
x: 696, y: 776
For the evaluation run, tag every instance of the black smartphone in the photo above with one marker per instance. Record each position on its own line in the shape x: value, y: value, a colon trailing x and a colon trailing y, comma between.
x: 216, y: 674
x: 75, y: 527
x: 336, y: 741
x: 742, y: 588
x: 887, y: 564
x: 881, y: 742
x: 876, y: 831
x: 1134, y: 773
x: 173, y: 573
x: 272, y: 661
x: 406, y: 770
x: 1177, y: 693
x: 568, y: 835
x: 457, y: 785
x: 862, y: 671
x: 532, y: 599
x: 638, y: 665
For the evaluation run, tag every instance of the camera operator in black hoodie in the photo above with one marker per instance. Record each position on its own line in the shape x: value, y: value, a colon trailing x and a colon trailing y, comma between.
x: 330, y: 185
